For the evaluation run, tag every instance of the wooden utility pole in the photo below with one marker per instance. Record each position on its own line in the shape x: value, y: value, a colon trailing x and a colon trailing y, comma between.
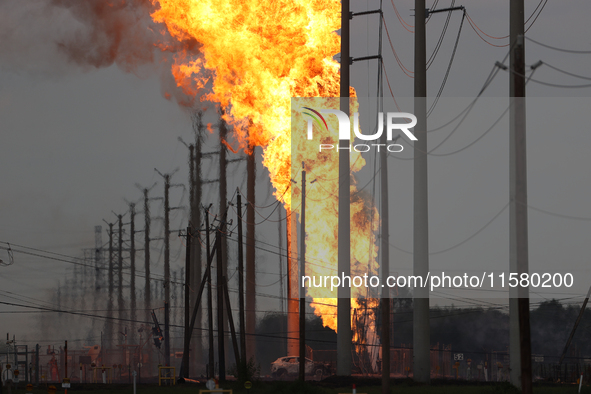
x: 421, y: 325
x: 572, y: 333
x: 292, y: 285
x: 133, y: 304
x: 220, y: 306
x: 120, y: 302
x: 196, y: 253
x: 211, y: 362
x: 519, y: 325
x: 167, y: 284
x: 147, y: 288
x: 166, y: 271
x: 223, y: 191
x: 385, y: 265
x: 187, y: 337
x: 344, y: 338
x: 231, y: 320
x: 250, y: 255
x: 196, y: 306
x: 242, y: 324
x: 302, y: 291
x: 109, y: 322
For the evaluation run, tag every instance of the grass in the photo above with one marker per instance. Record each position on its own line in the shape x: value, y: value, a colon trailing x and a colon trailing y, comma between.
x: 332, y: 387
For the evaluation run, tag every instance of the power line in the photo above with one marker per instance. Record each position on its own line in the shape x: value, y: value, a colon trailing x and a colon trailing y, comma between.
x: 407, y: 26
x: 465, y: 240
x: 554, y: 85
x: 566, y: 72
x: 441, y: 37
x: 557, y: 48
x: 405, y: 70
x: 453, y: 54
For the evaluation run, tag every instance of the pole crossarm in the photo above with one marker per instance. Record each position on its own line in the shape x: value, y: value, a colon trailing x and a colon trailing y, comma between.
x: 358, y: 59
x: 428, y: 11
x: 352, y: 14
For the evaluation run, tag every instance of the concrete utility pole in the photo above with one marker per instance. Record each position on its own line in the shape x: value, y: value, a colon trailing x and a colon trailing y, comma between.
x: 421, y: 325
x: 519, y: 325
x: 344, y: 338
x: 132, y: 268
x: 250, y: 255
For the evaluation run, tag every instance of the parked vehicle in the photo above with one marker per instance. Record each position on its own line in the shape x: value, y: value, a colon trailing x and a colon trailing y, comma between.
x: 290, y: 366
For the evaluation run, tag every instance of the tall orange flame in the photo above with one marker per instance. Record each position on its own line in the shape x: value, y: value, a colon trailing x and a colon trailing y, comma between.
x: 254, y: 56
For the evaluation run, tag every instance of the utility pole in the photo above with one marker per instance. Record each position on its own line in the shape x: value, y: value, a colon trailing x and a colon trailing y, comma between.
x: 98, y: 257
x: 302, y: 371
x: 220, y: 305
x: 292, y: 284
x: 195, y: 185
x: 132, y: 267
x: 223, y: 186
x: 166, y: 271
x: 519, y: 325
x: 211, y: 363
x: 241, y: 288
x: 196, y: 253
x: 421, y: 325
x: 167, y: 209
x: 279, y: 228
x: 385, y: 265
x: 109, y: 322
x: 185, y: 370
x: 344, y: 337
x: 120, y: 301
x: 98, y: 267
x: 250, y: 254
x: 147, y: 281
x: 572, y: 333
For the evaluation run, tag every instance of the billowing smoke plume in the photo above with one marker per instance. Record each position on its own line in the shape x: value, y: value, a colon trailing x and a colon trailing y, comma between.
x: 49, y: 37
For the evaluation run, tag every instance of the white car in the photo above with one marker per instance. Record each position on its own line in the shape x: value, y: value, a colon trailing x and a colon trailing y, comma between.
x: 290, y: 365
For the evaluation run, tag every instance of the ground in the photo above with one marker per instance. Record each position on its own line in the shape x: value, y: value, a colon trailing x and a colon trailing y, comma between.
x: 373, y: 387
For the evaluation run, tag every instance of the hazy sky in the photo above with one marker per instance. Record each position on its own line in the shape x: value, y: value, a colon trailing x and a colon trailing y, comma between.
x: 74, y: 141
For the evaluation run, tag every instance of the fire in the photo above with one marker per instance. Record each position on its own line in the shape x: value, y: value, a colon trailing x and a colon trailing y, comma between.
x: 254, y: 56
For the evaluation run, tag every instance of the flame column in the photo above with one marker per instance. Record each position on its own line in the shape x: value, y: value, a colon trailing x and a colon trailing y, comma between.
x: 344, y: 338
